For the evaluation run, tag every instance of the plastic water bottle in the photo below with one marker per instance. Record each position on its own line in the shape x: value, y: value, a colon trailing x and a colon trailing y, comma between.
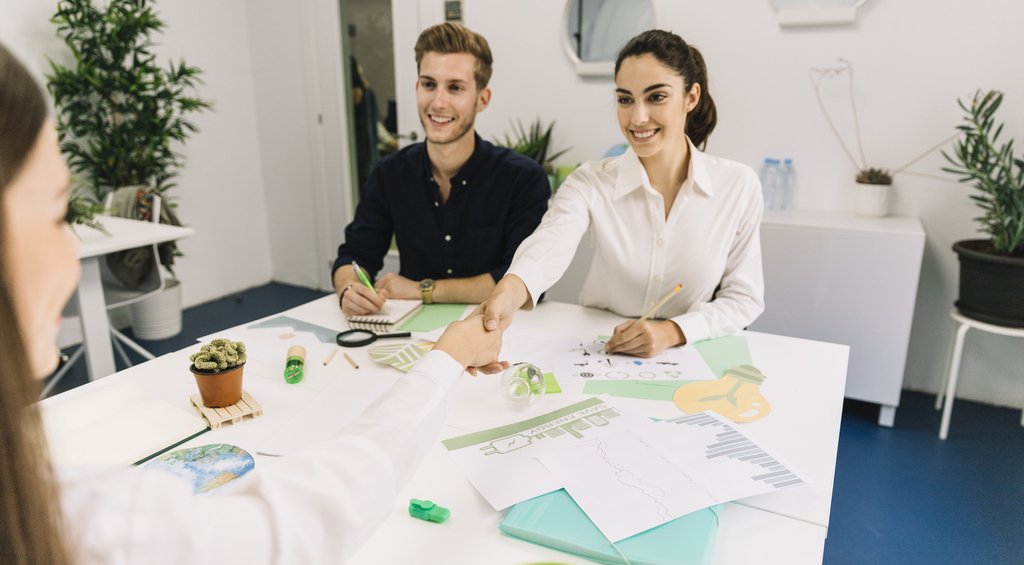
x: 787, y: 185
x: 770, y: 182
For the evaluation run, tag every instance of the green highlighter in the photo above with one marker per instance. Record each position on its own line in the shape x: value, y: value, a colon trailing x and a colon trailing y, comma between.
x: 362, y: 277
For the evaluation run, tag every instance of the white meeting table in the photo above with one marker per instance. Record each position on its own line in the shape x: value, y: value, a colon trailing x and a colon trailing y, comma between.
x: 123, y: 234
x: 805, y: 383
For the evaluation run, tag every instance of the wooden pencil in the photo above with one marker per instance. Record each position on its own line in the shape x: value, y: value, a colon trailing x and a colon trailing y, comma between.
x: 330, y: 356
x: 351, y: 361
x: 654, y: 309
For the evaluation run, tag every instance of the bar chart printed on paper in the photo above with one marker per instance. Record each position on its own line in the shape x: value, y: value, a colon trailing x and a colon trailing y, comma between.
x: 728, y: 442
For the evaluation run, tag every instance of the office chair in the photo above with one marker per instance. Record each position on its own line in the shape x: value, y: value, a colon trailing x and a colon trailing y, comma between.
x: 116, y: 295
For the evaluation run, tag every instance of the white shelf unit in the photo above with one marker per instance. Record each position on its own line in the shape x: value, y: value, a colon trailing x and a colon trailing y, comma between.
x: 837, y: 277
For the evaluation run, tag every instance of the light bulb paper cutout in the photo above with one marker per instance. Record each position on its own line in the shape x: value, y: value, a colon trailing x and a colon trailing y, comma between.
x: 736, y: 395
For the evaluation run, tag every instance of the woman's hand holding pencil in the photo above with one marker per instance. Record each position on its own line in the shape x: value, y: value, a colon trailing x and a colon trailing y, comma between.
x: 645, y: 338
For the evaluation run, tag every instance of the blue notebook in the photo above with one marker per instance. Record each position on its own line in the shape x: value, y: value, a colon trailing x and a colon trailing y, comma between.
x: 555, y: 520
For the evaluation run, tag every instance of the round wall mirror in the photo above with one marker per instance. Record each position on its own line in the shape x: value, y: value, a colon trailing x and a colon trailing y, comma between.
x: 595, y: 30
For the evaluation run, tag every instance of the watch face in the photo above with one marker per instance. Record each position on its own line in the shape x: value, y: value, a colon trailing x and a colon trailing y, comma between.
x: 426, y: 284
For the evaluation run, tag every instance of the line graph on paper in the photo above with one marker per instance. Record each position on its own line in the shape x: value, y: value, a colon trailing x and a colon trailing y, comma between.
x: 617, y: 471
x: 722, y: 440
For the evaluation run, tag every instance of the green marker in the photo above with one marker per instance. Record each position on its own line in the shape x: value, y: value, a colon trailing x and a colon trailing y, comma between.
x: 295, y: 364
x: 362, y: 277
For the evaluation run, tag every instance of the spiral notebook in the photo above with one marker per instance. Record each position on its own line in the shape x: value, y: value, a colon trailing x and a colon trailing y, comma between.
x: 394, y: 313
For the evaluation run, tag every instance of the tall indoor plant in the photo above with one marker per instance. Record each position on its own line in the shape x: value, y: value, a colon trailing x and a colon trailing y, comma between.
x: 992, y: 269
x: 120, y: 114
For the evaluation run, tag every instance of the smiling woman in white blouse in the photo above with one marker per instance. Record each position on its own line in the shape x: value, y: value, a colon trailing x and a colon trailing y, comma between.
x: 661, y: 214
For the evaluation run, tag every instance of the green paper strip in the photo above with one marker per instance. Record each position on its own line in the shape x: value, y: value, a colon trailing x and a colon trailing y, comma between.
x: 551, y: 386
x: 724, y: 353
x: 484, y: 436
x: 646, y: 390
x: 433, y: 316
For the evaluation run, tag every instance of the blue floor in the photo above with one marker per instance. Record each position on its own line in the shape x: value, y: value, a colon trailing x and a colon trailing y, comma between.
x: 901, y: 495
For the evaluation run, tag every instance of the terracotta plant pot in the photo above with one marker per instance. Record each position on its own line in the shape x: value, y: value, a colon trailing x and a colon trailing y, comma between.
x: 219, y: 389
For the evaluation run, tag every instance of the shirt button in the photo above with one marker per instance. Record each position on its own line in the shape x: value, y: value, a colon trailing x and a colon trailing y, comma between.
x: 447, y: 238
x: 657, y: 279
x: 661, y: 242
x: 449, y: 271
x: 463, y: 183
x: 437, y: 204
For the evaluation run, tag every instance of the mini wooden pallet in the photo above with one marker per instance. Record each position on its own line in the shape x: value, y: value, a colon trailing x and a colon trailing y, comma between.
x: 247, y: 406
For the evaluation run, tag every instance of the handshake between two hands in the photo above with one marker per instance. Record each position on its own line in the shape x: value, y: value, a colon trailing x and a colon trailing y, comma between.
x: 475, y: 342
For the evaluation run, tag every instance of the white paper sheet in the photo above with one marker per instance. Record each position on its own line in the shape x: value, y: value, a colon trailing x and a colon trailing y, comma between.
x: 500, y: 462
x: 631, y: 480
x: 334, y: 408
x: 586, y: 358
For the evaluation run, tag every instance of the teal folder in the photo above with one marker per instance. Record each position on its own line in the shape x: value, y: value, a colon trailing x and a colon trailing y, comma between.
x: 555, y: 520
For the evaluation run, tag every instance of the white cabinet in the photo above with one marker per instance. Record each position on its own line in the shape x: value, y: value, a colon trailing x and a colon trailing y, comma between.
x: 836, y: 277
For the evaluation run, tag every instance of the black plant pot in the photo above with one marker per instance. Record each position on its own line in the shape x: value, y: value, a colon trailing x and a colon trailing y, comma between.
x: 991, y: 286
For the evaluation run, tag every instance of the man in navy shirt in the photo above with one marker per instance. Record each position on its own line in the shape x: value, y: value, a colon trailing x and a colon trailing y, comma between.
x: 457, y: 205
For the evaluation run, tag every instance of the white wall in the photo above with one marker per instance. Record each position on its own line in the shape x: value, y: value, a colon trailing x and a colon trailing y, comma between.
x: 297, y: 78
x: 220, y: 191
x: 912, y: 60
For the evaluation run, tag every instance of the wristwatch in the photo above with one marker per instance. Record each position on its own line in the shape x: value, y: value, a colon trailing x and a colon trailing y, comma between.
x: 427, y: 290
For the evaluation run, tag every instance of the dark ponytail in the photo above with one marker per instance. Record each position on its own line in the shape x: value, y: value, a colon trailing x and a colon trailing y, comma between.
x: 670, y: 50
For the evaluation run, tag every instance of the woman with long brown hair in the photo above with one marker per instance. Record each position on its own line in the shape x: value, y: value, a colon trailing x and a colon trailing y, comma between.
x: 662, y: 214
x: 315, y: 507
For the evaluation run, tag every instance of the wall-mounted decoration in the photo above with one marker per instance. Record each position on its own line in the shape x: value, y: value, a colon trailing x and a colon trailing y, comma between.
x: 795, y: 13
x: 593, y: 31
x: 453, y: 11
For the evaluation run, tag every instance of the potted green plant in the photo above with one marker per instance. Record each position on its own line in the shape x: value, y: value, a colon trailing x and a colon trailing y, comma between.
x: 533, y: 142
x: 217, y: 368
x: 992, y: 269
x: 121, y: 115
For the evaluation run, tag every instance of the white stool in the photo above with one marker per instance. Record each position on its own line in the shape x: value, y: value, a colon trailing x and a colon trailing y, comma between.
x: 949, y: 385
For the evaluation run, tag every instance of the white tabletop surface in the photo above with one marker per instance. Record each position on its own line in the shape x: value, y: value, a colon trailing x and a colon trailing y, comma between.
x: 805, y: 382
x: 124, y: 233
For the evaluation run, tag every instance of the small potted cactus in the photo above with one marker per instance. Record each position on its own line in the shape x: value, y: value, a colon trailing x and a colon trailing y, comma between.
x: 217, y: 367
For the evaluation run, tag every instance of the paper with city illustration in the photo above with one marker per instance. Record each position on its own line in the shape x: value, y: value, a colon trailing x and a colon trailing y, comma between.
x: 401, y: 356
x: 501, y: 462
x: 630, y: 480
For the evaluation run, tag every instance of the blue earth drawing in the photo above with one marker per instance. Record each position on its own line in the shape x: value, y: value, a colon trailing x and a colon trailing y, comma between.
x: 207, y: 467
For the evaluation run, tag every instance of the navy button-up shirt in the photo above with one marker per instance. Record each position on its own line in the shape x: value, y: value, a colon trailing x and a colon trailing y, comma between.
x: 497, y: 199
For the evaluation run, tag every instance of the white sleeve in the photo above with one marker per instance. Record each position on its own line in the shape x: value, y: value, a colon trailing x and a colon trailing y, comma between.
x: 740, y: 299
x: 317, y: 506
x: 543, y: 257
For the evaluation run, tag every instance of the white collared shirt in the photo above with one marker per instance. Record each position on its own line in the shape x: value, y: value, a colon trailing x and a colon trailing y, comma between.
x: 710, y: 238
x: 317, y: 505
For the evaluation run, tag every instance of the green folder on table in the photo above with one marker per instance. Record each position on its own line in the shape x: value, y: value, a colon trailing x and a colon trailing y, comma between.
x: 555, y: 520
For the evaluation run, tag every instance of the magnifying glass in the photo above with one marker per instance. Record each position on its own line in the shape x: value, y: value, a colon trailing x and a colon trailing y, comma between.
x: 359, y: 338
